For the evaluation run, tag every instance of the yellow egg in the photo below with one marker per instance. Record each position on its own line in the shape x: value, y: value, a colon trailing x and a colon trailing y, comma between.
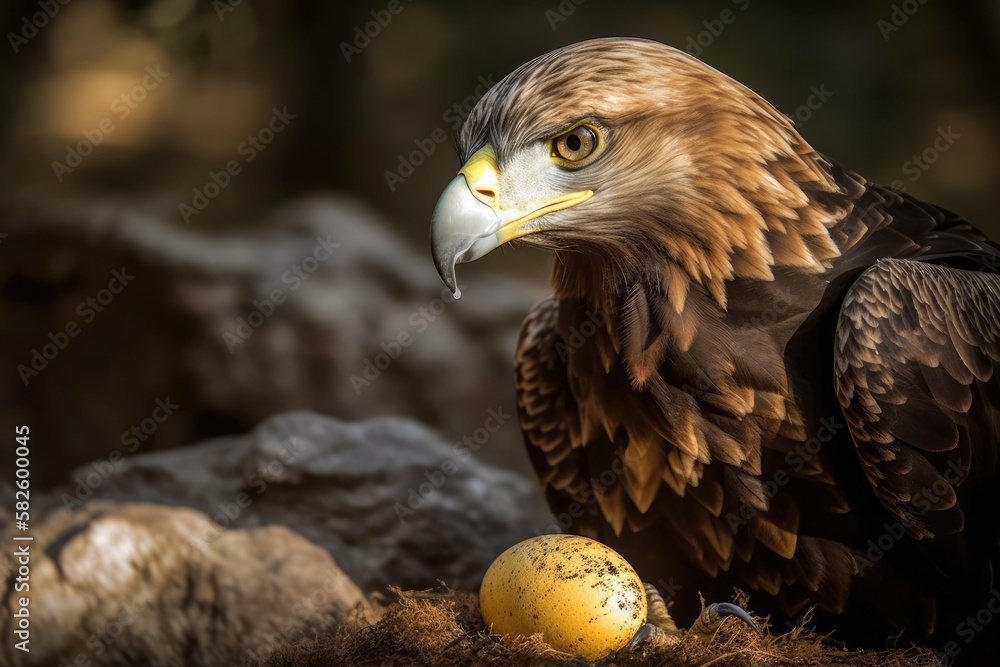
x: 582, y: 596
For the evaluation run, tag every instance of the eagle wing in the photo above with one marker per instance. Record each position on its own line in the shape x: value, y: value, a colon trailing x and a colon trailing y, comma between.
x: 916, y: 358
x: 547, y: 410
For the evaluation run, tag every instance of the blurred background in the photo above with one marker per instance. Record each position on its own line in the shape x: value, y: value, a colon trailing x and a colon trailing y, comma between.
x: 205, y: 144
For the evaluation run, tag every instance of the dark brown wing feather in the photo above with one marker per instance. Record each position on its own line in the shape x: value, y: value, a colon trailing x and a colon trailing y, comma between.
x: 547, y: 411
x: 916, y: 367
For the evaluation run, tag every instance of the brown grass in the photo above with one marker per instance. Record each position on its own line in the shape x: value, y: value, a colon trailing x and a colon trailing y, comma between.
x: 443, y: 628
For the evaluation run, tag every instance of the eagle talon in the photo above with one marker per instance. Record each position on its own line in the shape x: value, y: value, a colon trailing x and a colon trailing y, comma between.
x: 711, y: 618
x: 658, y: 621
x: 644, y: 632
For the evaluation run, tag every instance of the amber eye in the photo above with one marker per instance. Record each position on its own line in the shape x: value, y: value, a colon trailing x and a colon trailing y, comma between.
x: 575, y: 145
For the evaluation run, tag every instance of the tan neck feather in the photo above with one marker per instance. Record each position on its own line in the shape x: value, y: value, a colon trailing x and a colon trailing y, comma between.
x: 740, y: 215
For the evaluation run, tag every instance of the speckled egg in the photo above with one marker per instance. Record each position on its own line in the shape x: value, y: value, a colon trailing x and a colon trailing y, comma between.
x: 582, y: 596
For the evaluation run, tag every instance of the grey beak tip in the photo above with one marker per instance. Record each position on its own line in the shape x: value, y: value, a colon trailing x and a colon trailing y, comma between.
x: 446, y: 269
x: 462, y: 230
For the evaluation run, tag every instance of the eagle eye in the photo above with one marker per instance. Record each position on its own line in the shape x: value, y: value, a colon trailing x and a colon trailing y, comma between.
x: 576, y: 145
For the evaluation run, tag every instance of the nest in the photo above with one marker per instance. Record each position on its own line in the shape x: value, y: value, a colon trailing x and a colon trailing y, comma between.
x: 443, y: 628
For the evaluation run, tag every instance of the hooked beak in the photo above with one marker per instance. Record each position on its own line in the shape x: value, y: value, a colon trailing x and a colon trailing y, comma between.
x: 470, y: 220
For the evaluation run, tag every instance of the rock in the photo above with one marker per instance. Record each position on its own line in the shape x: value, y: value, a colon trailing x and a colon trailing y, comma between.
x: 388, y: 498
x: 124, y: 584
x: 108, y: 313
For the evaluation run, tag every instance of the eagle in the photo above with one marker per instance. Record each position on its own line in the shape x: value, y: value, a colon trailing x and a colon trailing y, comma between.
x: 757, y: 369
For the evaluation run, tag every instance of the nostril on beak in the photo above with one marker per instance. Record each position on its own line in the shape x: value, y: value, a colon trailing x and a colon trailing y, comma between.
x: 482, y: 176
x: 486, y: 195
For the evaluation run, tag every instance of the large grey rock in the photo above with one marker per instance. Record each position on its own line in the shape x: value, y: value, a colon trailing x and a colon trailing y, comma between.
x: 174, y: 330
x: 388, y: 498
x: 124, y: 584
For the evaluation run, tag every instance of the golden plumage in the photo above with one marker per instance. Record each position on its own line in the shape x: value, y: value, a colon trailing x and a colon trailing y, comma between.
x: 763, y: 395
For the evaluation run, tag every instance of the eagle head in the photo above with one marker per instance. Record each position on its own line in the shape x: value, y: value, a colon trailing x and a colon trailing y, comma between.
x: 634, y: 161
